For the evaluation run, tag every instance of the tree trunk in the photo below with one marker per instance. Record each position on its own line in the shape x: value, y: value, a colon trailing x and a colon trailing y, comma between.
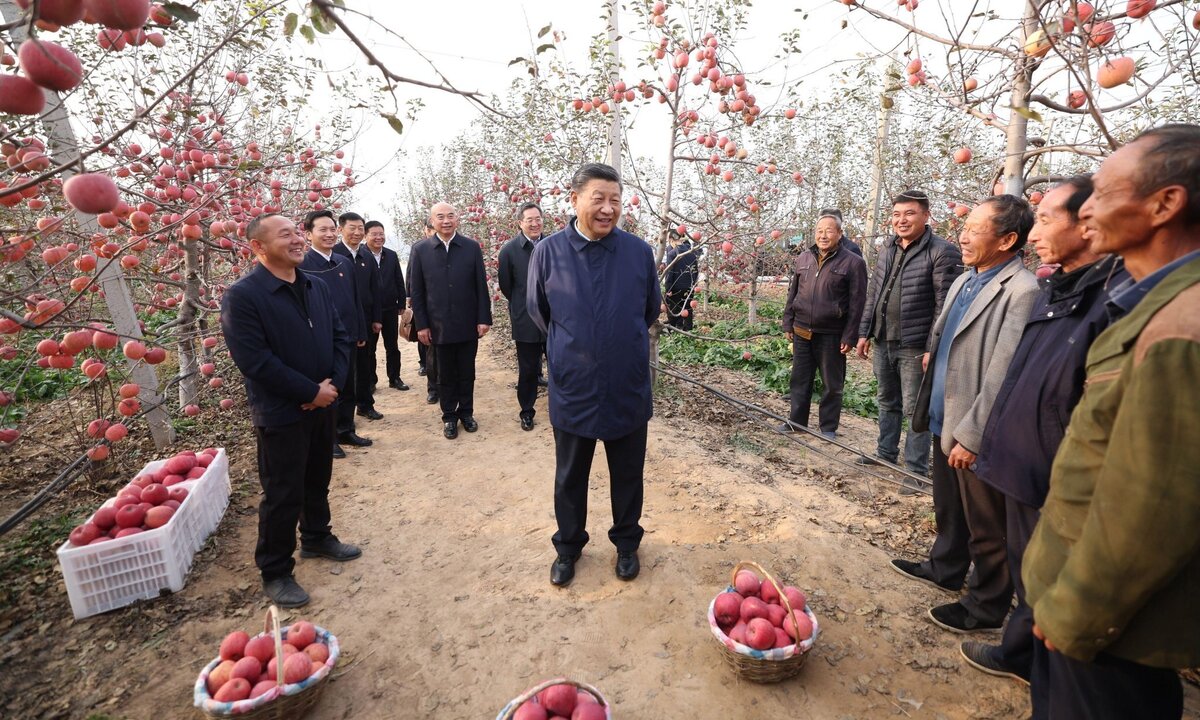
x: 63, y: 147
x: 614, y: 74
x: 1016, y: 136
x: 188, y: 329
x: 752, y: 316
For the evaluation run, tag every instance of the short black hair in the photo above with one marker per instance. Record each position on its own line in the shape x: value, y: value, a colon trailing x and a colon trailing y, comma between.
x: 1081, y: 190
x: 1172, y: 158
x: 913, y: 196
x: 256, y: 223
x: 528, y: 206
x: 347, y: 217
x: 372, y: 224
x: 1013, y: 215
x: 594, y: 171
x: 310, y: 219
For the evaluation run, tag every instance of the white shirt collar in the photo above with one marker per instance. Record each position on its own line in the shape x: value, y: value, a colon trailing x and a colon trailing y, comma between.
x: 327, y: 256
x: 581, y: 233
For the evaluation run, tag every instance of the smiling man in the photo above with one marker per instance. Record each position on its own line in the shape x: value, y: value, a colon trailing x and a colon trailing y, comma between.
x: 286, y: 338
x: 593, y: 290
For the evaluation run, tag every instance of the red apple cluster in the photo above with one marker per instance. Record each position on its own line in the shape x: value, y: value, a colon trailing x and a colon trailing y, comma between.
x: 753, y: 615
x: 563, y: 701
x: 249, y: 666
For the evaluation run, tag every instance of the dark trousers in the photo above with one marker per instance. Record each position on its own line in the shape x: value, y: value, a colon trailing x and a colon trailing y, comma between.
x: 456, y: 379
x: 294, y: 465
x: 1108, y: 688
x: 573, y: 466
x: 677, y: 302
x: 899, y: 373
x: 391, y: 346
x: 345, y: 402
x: 529, y: 368
x: 822, y: 353
x: 422, y: 351
x: 428, y: 355
x: 364, y: 376
x: 950, y: 557
x: 1016, y: 647
x: 989, y: 588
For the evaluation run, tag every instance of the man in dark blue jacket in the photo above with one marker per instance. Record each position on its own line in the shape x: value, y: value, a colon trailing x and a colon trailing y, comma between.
x: 1043, y: 384
x: 679, y: 281
x: 593, y: 289
x: 366, y: 285
x: 392, y: 299
x: 338, y: 273
x: 451, y: 311
x: 286, y: 338
x: 513, y: 271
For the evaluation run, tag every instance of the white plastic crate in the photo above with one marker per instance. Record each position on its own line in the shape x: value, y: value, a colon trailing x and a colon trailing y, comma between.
x: 115, y: 573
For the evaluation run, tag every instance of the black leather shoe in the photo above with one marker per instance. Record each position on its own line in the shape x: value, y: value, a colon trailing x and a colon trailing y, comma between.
x: 370, y: 414
x: 421, y: 370
x: 562, y: 572
x: 285, y: 592
x: 469, y: 424
x: 450, y: 430
x: 331, y: 549
x: 541, y: 382
x: 431, y: 398
x: 338, y: 452
x: 397, y: 385
x: 354, y: 439
x: 526, y: 422
x: 917, y: 571
x: 628, y: 565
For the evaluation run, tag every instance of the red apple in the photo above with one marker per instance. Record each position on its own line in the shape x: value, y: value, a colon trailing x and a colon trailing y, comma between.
x: 119, y: 14
x: 20, y: 96
x: 91, y: 193
x: 50, y: 65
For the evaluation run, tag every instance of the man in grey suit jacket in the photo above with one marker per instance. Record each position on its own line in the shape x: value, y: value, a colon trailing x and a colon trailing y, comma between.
x: 970, y: 348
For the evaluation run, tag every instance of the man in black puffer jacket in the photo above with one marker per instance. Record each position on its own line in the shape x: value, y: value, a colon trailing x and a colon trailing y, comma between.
x: 912, y: 275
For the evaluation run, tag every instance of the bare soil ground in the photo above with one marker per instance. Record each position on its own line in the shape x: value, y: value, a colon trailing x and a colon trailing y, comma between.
x: 450, y: 613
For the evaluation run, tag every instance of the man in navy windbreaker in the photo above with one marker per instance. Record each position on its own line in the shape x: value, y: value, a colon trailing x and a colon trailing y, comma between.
x: 593, y: 290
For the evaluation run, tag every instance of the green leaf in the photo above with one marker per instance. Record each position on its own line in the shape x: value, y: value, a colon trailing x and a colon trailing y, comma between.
x: 543, y: 31
x: 181, y: 12
x: 307, y: 31
x: 395, y: 122
x: 1027, y: 113
x: 543, y: 48
x: 514, y: 61
x: 289, y: 24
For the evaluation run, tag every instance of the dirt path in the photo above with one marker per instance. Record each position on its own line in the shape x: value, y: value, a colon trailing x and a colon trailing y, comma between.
x: 450, y: 612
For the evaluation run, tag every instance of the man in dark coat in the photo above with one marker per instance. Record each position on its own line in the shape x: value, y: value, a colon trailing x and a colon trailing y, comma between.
x: 824, y: 305
x: 913, y: 273
x: 338, y: 273
x: 593, y: 289
x: 1043, y: 385
x: 285, y: 336
x: 392, y: 299
x: 426, y: 366
x: 531, y: 341
x: 366, y: 282
x: 451, y: 311
x: 681, y: 273
x: 844, y: 242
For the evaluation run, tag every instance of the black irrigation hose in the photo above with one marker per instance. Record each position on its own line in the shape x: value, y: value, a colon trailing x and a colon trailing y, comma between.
x: 764, y: 416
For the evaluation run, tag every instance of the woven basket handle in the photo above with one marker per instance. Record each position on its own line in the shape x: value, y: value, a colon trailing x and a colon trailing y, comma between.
x: 271, y: 625
x: 783, y: 599
x: 528, y: 694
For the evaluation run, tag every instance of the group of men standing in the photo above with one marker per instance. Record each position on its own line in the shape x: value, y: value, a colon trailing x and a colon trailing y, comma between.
x: 1062, y: 415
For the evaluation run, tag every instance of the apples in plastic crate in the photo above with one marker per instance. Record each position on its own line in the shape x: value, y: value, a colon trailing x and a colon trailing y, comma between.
x: 116, y: 572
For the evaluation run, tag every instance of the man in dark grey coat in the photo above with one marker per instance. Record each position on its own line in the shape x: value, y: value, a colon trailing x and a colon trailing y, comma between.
x: 530, y: 340
x: 913, y: 273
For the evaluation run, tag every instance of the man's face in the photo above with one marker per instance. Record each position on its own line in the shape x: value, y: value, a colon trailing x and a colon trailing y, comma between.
x: 375, y: 238
x: 1056, y: 236
x: 1115, y: 217
x: 827, y: 234
x: 279, y: 244
x: 323, y: 235
x: 982, y: 247
x: 444, y: 219
x: 908, y: 220
x: 353, y: 232
x: 598, y: 206
x: 531, y: 223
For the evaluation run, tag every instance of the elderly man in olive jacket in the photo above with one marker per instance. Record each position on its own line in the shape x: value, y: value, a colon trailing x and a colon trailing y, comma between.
x: 824, y: 305
x: 1113, y: 569
x: 513, y: 269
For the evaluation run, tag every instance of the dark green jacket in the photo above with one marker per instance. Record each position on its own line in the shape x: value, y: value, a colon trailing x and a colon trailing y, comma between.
x: 1114, y: 564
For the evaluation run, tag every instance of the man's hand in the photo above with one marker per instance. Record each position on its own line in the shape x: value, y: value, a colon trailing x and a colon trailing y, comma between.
x: 376, y: 327
x: 326, y: 394
x: 864, y: 348
x: 845, y: 347
x: 425, y: 336
x: 482, y: 329
x: 790, y: 337
x: 361, y: 343
x: 960, y: 457
x: 925, y: 362
x: 1037, y: 633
